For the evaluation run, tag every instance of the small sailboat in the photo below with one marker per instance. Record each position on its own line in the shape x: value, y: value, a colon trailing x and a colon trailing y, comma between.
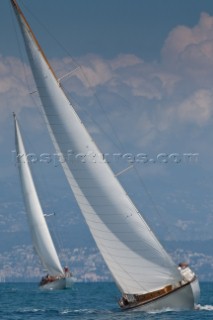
x: 145, y: 274
x: 57, y: 277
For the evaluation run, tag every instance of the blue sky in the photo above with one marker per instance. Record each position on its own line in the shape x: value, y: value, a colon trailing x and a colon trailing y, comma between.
x: 107, y: 27
x: 148, y: 89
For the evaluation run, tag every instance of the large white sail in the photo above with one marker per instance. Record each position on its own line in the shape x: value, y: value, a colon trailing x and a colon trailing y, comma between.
x: 39, y: 231
x: 134, y: 256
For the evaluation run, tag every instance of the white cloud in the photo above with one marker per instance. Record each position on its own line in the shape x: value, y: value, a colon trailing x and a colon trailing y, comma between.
x: 197, y: 108
x: 124, y: 61
x: 151, y: 97
x: 191, y: 49
x: 94, y: 71
x: 13, y: 86
x: 184, y: 225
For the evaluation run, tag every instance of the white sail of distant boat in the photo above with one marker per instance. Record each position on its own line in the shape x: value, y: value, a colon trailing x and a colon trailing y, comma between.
x: 58, y: 277
x: 142, y: 270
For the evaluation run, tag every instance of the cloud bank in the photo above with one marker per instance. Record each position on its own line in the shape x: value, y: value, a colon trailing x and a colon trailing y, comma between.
x: 150, y: 98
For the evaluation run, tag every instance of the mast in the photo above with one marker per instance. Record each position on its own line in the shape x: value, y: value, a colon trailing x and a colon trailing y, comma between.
x: 19, y: 13
x: 41, y: 238
x: 133, y: 254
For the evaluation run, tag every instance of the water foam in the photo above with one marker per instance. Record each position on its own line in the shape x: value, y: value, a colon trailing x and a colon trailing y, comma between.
x: 205, y: 307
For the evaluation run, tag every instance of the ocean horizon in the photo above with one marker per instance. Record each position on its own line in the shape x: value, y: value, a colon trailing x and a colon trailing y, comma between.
x: 86, y: 301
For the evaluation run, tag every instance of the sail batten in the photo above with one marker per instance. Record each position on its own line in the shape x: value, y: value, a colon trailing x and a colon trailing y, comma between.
x: 39, y: 231
x: 97, y: 190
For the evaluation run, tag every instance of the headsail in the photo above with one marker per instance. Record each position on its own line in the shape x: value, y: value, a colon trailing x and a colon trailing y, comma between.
x: 39, y: 231
x: 134, y: 256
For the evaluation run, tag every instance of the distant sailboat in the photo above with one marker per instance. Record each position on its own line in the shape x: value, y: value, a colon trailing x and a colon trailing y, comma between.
x: 143, y: 271
x: 57, y: 278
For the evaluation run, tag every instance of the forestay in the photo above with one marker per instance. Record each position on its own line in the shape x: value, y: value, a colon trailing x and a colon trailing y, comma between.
x: 134, y: 256
x: 39, y: 231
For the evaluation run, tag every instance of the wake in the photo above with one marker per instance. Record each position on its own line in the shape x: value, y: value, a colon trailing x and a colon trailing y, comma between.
x: 198, y: 307
x: 206, y: 307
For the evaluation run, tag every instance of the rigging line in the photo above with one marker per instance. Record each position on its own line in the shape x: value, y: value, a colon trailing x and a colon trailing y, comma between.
x: 68, y: 74
x: 38, y: 179
x: 120, y: 146
x: 27, y: 143
x: 124, y: 170
x: 57, y: 236
x: 52, y: 36
x: 76, y: 105
x: 49, y: 206
x: 21, y: 53
x: 78, y: 66
x: 22, y: 56
x: 120, y: 266
x: 157, y: 212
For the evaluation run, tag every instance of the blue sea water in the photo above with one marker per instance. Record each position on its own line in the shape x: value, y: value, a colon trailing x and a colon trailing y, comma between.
x: 85, y: 301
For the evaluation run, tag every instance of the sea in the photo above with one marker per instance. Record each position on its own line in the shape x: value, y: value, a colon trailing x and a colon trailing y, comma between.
x: 86, y: 301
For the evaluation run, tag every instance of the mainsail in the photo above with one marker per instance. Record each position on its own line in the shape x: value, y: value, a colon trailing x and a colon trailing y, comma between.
x: 41, y: 238
x: 131, y: 251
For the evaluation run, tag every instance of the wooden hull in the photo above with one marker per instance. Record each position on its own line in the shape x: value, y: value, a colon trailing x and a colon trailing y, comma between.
x: 58, y: 284
x: 182, y: 298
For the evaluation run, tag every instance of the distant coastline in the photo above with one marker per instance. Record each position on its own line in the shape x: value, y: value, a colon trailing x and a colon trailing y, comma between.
x: 20, y: 264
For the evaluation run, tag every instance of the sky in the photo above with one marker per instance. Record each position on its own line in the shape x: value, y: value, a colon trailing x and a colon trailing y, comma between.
x: 141, y: 78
